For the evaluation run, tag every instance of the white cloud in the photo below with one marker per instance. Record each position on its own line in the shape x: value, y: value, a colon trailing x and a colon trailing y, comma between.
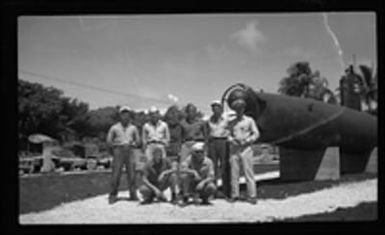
x: 172, y: 97
x: 250, y: 36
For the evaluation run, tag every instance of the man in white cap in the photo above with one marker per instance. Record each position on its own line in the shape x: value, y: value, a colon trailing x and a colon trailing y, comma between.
x: 155, y: 134
x: 243, y: 133
x: 217, y: 133
x: 122, y: 138
x: 197, y: 176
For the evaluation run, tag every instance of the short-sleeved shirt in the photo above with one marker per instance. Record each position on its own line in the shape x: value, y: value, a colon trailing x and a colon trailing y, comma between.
x: 152, y: 171
x: 205, y: 168
x: 193, y: 131
x: 120, y: 135
x: 244, y: 129
x: 218, y: 129
x: 158, y: 132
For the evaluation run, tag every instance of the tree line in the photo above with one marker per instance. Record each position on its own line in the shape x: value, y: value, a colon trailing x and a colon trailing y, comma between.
x: 46, y: 110
x: 302, y: 81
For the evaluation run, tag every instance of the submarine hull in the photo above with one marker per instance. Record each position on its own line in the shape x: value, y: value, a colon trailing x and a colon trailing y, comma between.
x: 302, y: 123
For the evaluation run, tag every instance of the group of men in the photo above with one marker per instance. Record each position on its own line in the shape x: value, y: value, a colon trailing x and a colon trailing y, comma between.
x: 207, y: 149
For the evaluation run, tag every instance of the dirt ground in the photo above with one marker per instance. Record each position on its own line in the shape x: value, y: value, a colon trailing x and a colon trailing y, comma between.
x: 291, y: 201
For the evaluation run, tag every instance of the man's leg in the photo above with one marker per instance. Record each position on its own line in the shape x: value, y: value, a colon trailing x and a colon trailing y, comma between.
x: 139, y: 165
x: 130, y: 171
x: 186, y: 150
x: 186, y: 182
x: 148, y: 151
x: 224, y: 165
x: 163, y: 148
x: 183, y: 152
x: 247, y: 162
x: 147, y: 194
x: 117, y: 164
x: 174, y: 186
x: 234, y: 164
x: 169, y: 181
x: 208, y: 190
x: 213, y: 155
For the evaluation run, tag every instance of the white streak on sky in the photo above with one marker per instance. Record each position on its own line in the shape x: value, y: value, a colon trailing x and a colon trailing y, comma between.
x: 335, y: 40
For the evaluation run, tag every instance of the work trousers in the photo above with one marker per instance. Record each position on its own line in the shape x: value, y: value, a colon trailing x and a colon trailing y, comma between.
x: 169, y: 181
x: 173, y: 151
x: 217, y: 151
x: 189, y: 185
x: 186, y: 150
x: 242, y: 157
x: 123, y: 156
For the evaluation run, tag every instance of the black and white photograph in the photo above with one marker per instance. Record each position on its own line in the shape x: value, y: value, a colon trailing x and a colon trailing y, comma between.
x: 197, y: 118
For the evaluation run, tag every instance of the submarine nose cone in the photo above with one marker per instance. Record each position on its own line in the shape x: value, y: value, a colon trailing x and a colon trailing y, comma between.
x: 235, y: 95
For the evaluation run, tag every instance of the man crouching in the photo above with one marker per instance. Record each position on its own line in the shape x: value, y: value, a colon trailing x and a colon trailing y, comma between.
x: 158, y: 175
x: 197, y: 175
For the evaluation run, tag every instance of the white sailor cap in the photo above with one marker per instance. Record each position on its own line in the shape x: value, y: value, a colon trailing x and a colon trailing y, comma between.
x: 199, y: 146
x: 153, y: 109
x: 216, y: 102
x: 124, y: 108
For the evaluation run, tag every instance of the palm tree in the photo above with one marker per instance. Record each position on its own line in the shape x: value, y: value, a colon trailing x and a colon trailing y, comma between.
x: 302, y: 82
x: 369, y: 88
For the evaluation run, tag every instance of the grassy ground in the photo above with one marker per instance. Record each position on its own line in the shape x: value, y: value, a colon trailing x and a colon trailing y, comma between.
x: 47, y: 191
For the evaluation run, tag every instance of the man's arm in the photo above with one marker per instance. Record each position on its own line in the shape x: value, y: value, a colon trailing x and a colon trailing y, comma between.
x: 183, y: 131
x: 148, y: 183
x: 211, y: 172
x: 254, y: 132
x: 169, y: 169
x: 110, y: 136
x: 184, y: 168
x: 136, y: 136
x: 206, y: 133
x: 165, y: 173
x: 166, y: 134
x: 210, y: 176
x: 203, y: 129
x: 144, y: 135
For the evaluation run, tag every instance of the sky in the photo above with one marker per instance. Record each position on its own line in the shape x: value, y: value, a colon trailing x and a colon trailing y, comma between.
x: 160, y: 60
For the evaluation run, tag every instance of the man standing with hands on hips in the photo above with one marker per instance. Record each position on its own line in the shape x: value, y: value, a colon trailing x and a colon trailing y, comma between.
x: 122, y: 138
x: 243, y: 133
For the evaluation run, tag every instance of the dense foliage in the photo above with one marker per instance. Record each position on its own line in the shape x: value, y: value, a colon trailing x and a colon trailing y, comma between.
x: 46, y: 110
x: 301, y: 81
